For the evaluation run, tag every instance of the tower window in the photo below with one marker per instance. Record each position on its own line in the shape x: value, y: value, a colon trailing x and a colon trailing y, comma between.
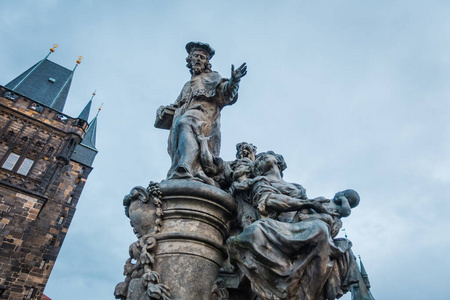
x: 11, y: 161
x: 61, y: 220
x: 61, y: 118
x: 37, y: 107
x: 52, y: 80
x: 53, y: 241
x: 43, y: 262
x: 26, y: 166
x: 11, y: 96
x: 70, y: 199
x: 30, y: 293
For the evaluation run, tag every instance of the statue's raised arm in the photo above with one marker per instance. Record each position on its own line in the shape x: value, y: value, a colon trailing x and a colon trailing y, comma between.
x: 196, y: 112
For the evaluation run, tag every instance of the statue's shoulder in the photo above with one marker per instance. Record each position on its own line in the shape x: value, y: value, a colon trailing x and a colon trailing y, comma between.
x: 214, y: 75
x: 263, y: 184
x: 187, y: 85
x: 212, y: 78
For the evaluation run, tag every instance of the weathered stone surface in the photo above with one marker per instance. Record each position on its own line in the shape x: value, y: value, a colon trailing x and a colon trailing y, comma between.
x: 31, y: 205
x: 190, y: 244
x: 190, y: 225
x: 195, y: 117
x: 283, y: 244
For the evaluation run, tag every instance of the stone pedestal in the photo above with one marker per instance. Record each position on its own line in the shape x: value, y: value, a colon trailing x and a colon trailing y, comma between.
x: 190, y: 247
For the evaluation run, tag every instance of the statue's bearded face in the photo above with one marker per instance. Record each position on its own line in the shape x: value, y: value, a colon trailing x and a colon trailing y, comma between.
x: 246, y: 150
x: 198, y: 61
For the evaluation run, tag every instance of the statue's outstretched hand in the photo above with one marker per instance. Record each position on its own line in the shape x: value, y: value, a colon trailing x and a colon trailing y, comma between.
x: 240, y: 72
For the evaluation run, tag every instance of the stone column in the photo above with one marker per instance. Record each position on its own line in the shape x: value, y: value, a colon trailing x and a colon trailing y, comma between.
x: 190, y: 247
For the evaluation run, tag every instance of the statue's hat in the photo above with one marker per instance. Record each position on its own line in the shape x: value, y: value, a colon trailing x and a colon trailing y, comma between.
x: 203, y: 46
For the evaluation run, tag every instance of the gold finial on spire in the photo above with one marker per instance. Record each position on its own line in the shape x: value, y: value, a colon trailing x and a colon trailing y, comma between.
x: 52, y: 49
x: 35, y: 67
x: 93, y: 95
x: 79, y: 60
x: 100, y: 108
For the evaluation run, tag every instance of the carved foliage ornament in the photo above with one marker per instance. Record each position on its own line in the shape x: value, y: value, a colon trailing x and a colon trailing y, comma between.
x: 141, y: 281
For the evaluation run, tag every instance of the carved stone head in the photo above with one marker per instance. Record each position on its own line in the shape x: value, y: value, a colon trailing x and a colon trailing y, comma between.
x: 268, y: 160
x: 247, y: 150
x: 345, y: 201
x: 198, y: 58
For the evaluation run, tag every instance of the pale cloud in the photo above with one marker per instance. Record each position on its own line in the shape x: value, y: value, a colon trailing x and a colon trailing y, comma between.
x: 354, y: 94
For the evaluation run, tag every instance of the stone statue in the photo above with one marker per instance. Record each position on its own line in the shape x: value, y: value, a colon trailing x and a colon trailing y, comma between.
x: 283, y: 245
x: 289, y: 256
x: 239, y: 172
x: 196, y: 112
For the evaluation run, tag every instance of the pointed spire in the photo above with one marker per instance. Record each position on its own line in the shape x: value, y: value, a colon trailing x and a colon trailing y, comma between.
x: 56, y: 103
x: 361, y: 290
x: 364, y: 273
x: 85, y: 152
x: 34, y: 68
x: 84, y: 115
x: 45, y: 82
x: 91, y: 134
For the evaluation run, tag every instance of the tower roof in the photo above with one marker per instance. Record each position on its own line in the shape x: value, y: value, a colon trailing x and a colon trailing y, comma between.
x: 91, y: 133
x: 363, y: 270
x: 84, y: 115
x: 85, y: 152
x: 45, y: 82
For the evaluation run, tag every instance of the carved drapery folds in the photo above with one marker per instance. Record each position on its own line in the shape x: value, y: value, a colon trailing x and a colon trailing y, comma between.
x: 281, y: 244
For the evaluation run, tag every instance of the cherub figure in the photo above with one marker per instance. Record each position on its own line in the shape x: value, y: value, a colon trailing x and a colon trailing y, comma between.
x: 339, y: 207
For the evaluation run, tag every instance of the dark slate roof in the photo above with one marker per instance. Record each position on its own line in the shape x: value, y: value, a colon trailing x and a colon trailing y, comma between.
x: 84, y: 155
x: 363, y: 270
x: 84, y: 115
x: 91, y: 133
x: 46, y: 82
x: 85, y: 152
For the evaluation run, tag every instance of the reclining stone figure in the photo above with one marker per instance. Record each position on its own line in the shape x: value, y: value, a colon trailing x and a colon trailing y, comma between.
x: 290, y: 252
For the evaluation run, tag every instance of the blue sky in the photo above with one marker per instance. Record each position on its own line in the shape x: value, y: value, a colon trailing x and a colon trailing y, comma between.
x: 354, y: 94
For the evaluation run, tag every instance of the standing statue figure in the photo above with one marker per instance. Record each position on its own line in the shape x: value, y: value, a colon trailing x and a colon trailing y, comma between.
x: 196, y: 112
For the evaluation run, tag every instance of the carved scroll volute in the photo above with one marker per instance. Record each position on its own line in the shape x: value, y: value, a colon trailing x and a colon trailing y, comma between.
x: 141, y: 211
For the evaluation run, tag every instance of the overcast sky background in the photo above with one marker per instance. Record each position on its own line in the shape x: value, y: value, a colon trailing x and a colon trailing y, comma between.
x: 354, y: 94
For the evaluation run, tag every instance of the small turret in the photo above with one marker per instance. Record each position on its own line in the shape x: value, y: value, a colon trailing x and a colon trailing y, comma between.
x: 364, y: 273
x: 361, y: 290
x: 84, y: 115
x: 86, y: 151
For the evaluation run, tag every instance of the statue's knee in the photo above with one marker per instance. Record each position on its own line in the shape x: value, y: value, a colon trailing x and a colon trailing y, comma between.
x: 183, y: 123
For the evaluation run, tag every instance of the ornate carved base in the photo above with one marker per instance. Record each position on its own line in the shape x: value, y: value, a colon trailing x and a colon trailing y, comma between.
x: 182, y: 226
x: 190, y: 245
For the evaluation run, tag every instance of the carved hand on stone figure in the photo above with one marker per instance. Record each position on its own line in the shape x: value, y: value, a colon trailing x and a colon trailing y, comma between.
x: 237, y: 74
x: 318, y: 206
x: 241, y: 186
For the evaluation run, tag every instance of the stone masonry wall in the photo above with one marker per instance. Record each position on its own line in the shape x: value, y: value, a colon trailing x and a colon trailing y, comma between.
x: 36, y: 209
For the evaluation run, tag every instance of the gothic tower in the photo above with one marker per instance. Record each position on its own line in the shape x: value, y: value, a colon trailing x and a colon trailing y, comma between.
x: 45, y: 159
